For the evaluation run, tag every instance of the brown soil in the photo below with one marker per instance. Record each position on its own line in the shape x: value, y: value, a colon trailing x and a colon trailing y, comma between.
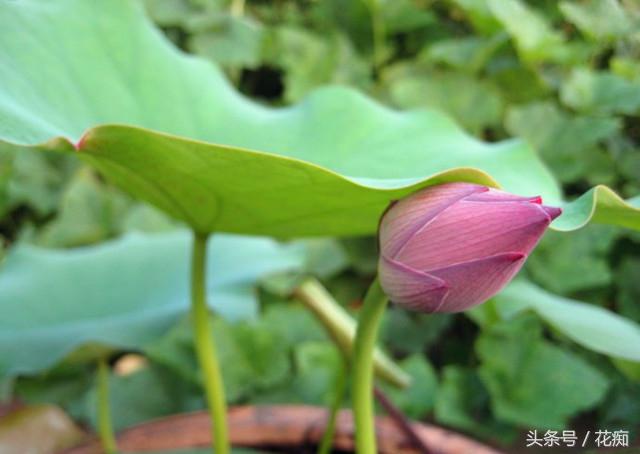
x: 285, y: 428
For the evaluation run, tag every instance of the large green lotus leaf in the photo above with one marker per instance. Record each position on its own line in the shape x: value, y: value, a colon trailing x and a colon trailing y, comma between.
x: 518, y: 366
x: 599, y: 204
x: 124, y: 293
x: 71, y: 69
x: 591, y: 326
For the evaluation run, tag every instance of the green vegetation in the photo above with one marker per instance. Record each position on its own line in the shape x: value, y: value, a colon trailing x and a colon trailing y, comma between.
x: 539, y: 97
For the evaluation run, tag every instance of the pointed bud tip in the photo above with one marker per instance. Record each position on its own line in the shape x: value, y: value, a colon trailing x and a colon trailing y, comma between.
x: 514, y: 256
x: 80, y: 143
x: 553, y: 212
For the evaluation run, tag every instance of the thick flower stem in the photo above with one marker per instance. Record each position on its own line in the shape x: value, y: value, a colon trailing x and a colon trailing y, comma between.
x: 368, y: 325
x: 205, y: 348
x: 105, y: 429
x: 342, y: 329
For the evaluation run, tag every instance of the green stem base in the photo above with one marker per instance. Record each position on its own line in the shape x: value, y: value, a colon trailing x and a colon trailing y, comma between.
x: 205, y: 348
x: 105, y: 429
x: 368, y: 326
x: 339, y: 391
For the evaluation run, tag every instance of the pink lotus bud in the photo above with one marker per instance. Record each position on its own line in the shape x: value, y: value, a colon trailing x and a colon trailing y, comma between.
x: 447, y: 248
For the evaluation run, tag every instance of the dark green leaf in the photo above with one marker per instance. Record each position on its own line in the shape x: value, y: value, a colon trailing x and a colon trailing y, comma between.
x: 146, y: 394
x: 226, y: 39
x: 89, y: 212
x: 628, y: 284
x: 253, y: 356
x: 317, y: 368
x: 534, y: 37
x: 599, y: 19
x: 463, y: 402
x: 406, y: 332
x: 600, y: 92
x: 566, y: 142
x: 569, y: 263
x: 532, y: 382
x: 419, y: 398
x: 476, y: 104
x: 464, y: 54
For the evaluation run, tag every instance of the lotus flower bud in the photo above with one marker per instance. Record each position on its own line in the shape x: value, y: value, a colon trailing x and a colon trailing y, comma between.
x: 447, y: 248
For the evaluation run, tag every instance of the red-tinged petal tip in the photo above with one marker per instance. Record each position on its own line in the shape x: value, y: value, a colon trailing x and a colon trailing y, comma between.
x: 553, y: 212
x: 513, y: 256
x: 78, y: 145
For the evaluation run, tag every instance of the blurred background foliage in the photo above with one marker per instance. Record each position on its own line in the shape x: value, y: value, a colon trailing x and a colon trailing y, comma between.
x: 564, y: 76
